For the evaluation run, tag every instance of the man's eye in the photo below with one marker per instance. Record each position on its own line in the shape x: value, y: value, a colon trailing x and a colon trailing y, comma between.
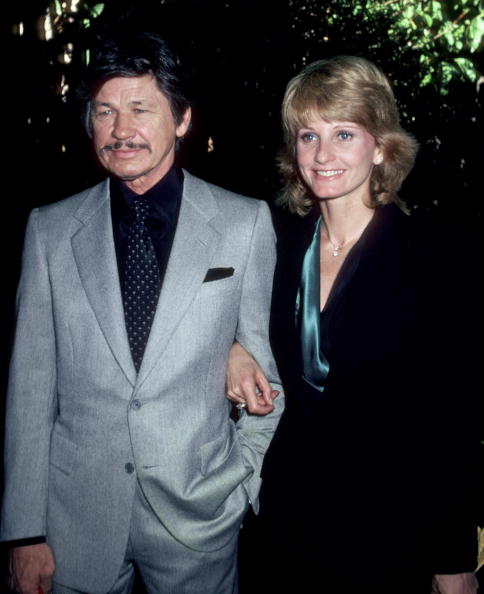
x: 345, y: 135
x: 103, y: 114
x: 139, y: 110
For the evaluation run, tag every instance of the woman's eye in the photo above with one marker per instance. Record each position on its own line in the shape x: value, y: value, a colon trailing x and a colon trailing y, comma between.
x: 345, y: 135
x: 307, y: 136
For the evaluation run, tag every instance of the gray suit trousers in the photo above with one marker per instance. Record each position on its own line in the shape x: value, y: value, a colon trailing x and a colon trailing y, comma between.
x: 167, y: 566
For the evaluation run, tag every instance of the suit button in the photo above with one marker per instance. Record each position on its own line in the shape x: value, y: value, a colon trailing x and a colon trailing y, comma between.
x: 129, y: 467
x: 136, y: 404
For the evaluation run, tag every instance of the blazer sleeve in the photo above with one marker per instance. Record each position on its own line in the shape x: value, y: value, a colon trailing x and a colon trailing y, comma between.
x: 31, y: 396
x: 449, y: 351
x: 255, y: 432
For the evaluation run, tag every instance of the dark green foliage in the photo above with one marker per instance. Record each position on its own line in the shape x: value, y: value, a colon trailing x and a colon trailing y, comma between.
x: 240, y: 54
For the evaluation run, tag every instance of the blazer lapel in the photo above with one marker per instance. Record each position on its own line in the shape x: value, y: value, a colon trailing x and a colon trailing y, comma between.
x: 95, y: 256
x: 196, y: 238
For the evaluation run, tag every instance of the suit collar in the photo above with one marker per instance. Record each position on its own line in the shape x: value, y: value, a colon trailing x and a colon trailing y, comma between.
x: 95, y: 199
x: 95, y: 256
x: 197, y: 236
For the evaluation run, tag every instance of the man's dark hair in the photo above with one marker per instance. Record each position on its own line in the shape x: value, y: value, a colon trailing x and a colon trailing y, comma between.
x: 126, y: 55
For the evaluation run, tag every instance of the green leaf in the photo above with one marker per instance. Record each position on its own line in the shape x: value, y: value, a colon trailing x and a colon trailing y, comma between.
x: 436, y: 10
x: 426, y: 80
x: 449, y: 38
x: 447, y: 72
x: 467, y: 68
x: 97, y: 9
x: 475, y: 32
x: 408, y: 12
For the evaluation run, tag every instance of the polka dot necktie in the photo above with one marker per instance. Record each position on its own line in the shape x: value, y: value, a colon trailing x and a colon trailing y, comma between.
x: 142, y: 282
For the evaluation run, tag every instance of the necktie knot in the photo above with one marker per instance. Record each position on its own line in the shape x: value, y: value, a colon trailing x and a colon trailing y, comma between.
x: 140, y: 209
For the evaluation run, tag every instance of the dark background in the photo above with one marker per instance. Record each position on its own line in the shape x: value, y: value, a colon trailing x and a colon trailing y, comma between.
x: 239, y: 55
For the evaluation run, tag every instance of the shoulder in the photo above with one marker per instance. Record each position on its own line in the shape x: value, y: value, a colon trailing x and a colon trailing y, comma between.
x: 443, y: 255
x: 73, y: 204
x: 429, y: 230
x: 288, y: 224
x: 232, y: 214
x: 394, y: 231
x: 435, y: 239
x: 450, y: 251
x: 60, y: 218
x: 202, y: 192
x: 293, y: 232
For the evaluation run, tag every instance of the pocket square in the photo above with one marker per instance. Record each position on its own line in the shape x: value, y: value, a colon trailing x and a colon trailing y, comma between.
x: 214, y: 274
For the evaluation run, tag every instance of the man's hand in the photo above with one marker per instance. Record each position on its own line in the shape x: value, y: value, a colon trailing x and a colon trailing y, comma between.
x: 247, y: 383
x: 31, y: 569
x: 456, y: 583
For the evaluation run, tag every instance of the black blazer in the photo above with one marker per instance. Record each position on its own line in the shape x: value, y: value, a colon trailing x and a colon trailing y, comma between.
x: 388, y: 449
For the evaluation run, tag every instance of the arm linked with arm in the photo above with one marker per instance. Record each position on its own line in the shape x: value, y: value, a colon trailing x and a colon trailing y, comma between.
x: 255, y: 432
x: 247, y: 385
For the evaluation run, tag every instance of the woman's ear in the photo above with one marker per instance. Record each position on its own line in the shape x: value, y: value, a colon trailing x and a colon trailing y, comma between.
x: 378, y: 155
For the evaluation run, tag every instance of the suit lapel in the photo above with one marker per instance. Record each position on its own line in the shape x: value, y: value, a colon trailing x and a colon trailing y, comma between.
x: 196, y: 239
x: 95, y: 256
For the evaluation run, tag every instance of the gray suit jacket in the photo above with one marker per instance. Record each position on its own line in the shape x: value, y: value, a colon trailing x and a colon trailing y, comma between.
x: 79, y: 419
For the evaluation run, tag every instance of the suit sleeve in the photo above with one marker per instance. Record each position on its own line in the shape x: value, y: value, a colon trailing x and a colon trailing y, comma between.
x: 31, y: 397
x: 255, y: 432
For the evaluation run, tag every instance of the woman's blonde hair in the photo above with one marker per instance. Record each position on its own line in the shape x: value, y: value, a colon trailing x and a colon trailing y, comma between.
x: 350, y: 89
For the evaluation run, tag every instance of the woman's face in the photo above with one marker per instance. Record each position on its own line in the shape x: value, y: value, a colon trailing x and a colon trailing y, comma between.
x: 336, y: 159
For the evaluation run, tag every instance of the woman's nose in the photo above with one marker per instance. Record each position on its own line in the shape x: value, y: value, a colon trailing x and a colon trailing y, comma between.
x: 324, y: 153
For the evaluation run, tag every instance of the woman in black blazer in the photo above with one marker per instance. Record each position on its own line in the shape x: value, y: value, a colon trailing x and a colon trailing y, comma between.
x: 368, y: 482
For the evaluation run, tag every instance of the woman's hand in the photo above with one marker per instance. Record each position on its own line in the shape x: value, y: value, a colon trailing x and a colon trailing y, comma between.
x: 246, y: 383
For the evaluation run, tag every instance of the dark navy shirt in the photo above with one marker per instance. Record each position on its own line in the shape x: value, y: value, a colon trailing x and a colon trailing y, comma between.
x: 165, y: 199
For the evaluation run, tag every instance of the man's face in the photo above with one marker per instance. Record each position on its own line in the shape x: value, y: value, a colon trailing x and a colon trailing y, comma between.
x: 134, y: 131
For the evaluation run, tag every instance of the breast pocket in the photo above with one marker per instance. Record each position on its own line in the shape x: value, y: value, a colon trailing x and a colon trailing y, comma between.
x: 220, y: 286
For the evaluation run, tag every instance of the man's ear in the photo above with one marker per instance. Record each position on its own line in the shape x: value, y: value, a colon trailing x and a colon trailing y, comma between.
x: 183, y: 126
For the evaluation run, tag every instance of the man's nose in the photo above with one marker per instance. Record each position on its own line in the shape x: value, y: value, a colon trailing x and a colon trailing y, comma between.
x: 123, y: 127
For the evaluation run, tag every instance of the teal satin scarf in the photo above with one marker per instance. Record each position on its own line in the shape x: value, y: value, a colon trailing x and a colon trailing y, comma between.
x: 315, y: 364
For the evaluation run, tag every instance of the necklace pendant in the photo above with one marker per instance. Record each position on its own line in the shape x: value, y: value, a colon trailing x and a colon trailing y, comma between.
x: 336, y: 250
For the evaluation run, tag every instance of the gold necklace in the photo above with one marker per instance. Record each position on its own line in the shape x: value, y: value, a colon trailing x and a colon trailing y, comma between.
x: 338, y: 247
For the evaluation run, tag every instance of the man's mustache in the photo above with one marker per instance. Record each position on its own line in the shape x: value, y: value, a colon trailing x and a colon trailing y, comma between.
x: 119, y: 144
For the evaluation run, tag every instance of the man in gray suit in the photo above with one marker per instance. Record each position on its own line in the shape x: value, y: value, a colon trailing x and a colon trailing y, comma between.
x: 120, y: 449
